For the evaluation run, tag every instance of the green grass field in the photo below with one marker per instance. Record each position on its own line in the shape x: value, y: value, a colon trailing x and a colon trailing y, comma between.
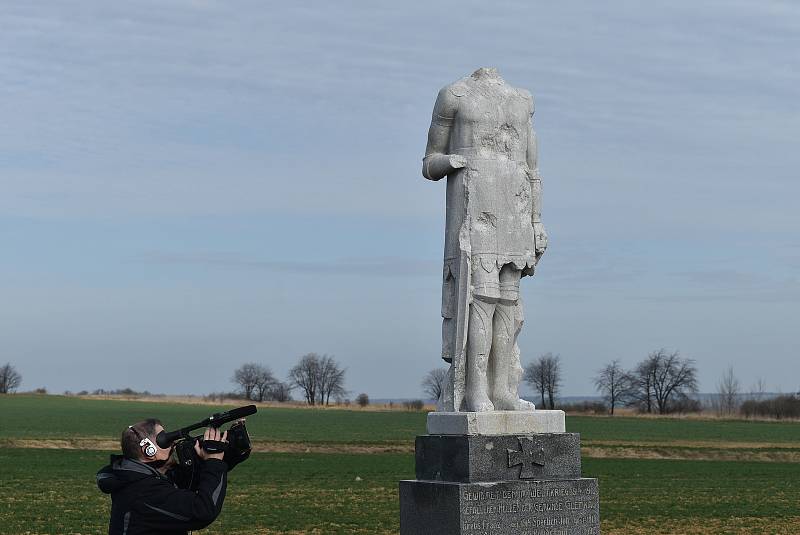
x: 59, y: 417
x: 52, y: 491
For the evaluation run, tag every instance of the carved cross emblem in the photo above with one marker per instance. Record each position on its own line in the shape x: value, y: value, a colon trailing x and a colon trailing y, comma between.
x: 531, y: 454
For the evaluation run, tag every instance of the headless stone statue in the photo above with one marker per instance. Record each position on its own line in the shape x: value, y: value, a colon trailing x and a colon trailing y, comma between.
x: 481, y: 138
x: 489, y: 463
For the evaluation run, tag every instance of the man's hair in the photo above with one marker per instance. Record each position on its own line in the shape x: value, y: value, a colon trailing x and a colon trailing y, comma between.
x: 130, y: 439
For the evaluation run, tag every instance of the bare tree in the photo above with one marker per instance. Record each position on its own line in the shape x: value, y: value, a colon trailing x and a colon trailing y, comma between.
x: 319, y: 377
x: 304, y: 375
x: 265, y: 384
x: 433, y: 383
x: 10, y: 379
x: 281, y: 392
x: 641, y: 393
x: 553, y: 379
x: 535, y: 376
x: 728, y: 389
x: 331, y: 380
x: 253, y: 380
x: 544, y: 375
x: 362, y: 400
x: 661, y: 379
x: 614, y: 384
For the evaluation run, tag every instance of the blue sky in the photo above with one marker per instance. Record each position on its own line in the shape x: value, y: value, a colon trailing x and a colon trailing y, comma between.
x: 190, y: 185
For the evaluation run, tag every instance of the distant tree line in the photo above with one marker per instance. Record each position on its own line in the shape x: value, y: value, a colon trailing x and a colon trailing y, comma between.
x: 780, y: 407
x: 319, y: 378
x: 257, y: 383
x: 662, y: 383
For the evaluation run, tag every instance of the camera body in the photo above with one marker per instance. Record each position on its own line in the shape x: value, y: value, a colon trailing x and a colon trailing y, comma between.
x: 237, y: 450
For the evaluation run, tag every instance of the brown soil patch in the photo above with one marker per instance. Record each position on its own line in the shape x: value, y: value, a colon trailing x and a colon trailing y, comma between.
x: 694, y: 444
x: 706, y: 526
x: 269, y: 447
x: 650, y: 452
x: 598, y: 449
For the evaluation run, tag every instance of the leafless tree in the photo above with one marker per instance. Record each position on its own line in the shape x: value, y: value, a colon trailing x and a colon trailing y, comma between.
x: 304, y: 376
x: 331, y: 380
x: 728, y: 389
x: 535, y: 376
x: 642, y: 386
x: 433, y: 383
x: 281, y: 392
x: 254, y: 380
x: 319, y: 377
x: 544, y: 375
x: 362, y: 400
x: 10, y: 379
x: 614, y: 384
x: 265, y: 384
x: 662, y: 378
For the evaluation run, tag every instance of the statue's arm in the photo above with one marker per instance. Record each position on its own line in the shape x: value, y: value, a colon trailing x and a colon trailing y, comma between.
x: 532, y: 157
x: 437, y: 163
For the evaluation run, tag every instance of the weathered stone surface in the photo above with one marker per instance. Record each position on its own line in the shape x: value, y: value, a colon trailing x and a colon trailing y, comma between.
x: 570, y: 507
x: 496, y: 422
x: 470, y: 459
x: 481, y: 138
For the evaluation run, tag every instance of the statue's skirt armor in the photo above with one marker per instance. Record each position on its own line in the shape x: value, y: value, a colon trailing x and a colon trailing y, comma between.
x: 499, y: 212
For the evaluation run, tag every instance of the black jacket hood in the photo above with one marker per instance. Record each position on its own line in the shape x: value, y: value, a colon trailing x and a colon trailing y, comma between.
x: 121, y: 472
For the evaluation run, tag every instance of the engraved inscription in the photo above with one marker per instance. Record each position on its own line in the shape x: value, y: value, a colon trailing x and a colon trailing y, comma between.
x: 531, y: 454
x: 537, y: 508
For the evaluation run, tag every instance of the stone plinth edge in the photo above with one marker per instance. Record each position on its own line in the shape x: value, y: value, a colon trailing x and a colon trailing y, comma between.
x: 496, y: 422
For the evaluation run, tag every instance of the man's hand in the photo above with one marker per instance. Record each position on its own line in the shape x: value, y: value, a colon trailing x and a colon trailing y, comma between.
x: 540, y: 239
x: 212, y: 433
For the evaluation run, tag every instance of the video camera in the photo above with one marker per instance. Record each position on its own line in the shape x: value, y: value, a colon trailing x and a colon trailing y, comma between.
x: 236, y: 450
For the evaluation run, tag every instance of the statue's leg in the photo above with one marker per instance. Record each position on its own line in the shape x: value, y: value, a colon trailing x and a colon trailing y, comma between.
x: 516, y: 370
x: 505, y: 368
x: 479, y: 344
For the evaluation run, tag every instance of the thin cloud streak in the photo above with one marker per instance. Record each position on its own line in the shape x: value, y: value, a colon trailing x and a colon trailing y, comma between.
x: 370, y: 266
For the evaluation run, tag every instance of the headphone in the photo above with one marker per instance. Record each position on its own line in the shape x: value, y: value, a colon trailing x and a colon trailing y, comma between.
x: 148, y: 448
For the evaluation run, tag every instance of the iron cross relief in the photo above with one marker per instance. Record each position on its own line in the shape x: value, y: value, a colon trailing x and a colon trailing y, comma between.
x: 531, y: 454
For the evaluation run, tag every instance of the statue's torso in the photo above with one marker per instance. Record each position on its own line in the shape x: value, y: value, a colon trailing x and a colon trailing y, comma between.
x: 492, y: 121
x: 490, y: 129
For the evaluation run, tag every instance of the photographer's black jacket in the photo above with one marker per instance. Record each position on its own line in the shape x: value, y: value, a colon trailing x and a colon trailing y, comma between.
x: 145, y: 502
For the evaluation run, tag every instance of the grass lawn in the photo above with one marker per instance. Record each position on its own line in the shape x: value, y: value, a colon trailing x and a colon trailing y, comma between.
x: 53, y: 492
x: 60, y: 417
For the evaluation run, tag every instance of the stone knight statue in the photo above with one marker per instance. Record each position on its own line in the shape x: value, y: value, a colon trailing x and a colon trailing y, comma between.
x: 481, y: 138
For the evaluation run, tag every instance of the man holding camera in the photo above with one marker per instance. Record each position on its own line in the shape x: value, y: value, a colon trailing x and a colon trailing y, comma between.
x: 145, y: 498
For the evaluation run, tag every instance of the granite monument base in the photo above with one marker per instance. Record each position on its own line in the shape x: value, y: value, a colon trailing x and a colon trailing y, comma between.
x: 499, y: 485
x: 545, y: 507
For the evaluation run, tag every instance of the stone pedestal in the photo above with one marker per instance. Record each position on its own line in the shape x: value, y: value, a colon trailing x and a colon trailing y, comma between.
x: 495, y: 422
x: 499, y: 484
